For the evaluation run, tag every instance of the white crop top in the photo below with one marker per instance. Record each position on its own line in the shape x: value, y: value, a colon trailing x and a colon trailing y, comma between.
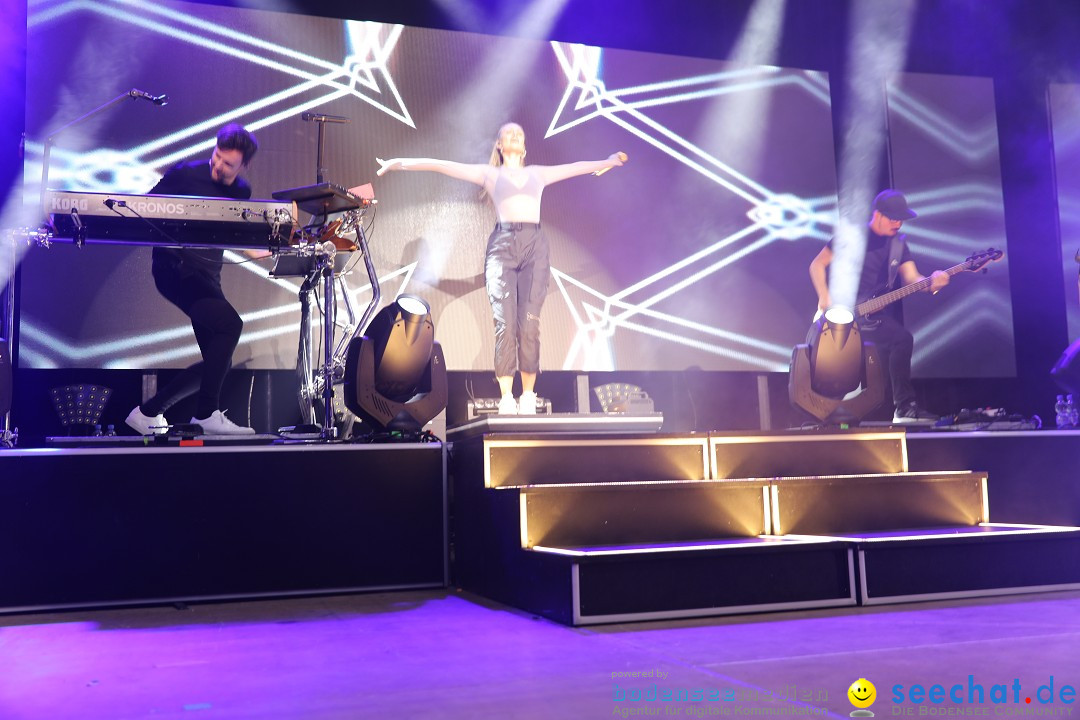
x: 516, y: 193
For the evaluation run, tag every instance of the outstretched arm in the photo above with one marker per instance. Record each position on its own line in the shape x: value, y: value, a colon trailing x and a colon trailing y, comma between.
x: 476, y: 174
x: 555, y: 173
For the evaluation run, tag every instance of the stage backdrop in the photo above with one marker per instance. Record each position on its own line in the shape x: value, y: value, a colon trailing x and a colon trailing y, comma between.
x: 694, y: 254
x: 1065, y: 116
x: 943, y: 147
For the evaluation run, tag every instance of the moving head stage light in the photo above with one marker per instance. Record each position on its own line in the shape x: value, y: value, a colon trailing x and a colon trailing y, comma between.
x: 827, y: 371
x: 395, y: 375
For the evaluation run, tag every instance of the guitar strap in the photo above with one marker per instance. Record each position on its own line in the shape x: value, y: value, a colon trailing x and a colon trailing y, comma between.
x: 896, y: 251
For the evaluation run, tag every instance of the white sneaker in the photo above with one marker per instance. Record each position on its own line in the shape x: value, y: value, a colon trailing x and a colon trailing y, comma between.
x: 527, y: 403
x: 218, y: 424
x: 508, y: 405
x: 146, y: 425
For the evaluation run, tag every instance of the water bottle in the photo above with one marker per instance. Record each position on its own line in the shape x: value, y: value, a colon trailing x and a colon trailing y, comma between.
x: 1061, y: 413
x: 1074, y: 414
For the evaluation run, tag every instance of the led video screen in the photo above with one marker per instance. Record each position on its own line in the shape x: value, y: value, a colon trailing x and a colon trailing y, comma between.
x: 1065, y: 116
x: 692, y: 255
x: 943, y: 147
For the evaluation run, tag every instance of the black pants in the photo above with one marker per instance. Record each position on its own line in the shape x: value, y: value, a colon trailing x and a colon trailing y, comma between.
x: 217, y: 328
x: 895, y: 345
x: 516, y: 269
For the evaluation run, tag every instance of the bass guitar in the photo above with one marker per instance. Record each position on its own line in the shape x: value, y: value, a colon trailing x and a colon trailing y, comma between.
x: 975, y: 262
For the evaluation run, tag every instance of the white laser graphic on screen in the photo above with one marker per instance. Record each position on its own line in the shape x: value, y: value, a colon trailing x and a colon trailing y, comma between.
x: 140, y: 349
x: 363, y: 74
x: 966, y: 142
x: 952, y: 200
x: 369, y: 53
x: 602, y: 321
x: 772, y: 216
x: 778, y: 216
x: 984, y: 308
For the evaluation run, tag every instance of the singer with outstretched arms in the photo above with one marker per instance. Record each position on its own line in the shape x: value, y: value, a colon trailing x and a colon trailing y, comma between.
x: 516, y: 263
x: 191, y: 279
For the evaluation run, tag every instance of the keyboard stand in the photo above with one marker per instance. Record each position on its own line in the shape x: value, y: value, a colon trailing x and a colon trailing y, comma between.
x: 316, y: 383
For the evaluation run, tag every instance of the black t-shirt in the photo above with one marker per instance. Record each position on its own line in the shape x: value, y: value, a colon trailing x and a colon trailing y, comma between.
x: 875, y: 270
x: 192, y: 179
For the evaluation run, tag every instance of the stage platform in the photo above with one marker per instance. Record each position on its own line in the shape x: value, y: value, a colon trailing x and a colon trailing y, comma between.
x: 587, y: 528
x: 546, y: 518
x: 1035, y: 475
x: 557, y: 422
x: 135, y: 442
x: 129, y: 525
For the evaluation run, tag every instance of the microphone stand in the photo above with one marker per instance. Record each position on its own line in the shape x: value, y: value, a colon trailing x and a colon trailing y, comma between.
x: 321, y: 121
x: 8, y: 436
x: 51, y: 139
x: 323, y: 269
x: 319, y: 169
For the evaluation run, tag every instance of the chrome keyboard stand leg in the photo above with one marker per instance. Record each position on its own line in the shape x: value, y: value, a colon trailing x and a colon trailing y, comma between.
x: 319, y: 381
x: 306, y: 392
x: 325, y: 263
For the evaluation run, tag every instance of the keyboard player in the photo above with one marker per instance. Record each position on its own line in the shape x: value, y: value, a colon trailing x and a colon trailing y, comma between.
x: 191, y: 279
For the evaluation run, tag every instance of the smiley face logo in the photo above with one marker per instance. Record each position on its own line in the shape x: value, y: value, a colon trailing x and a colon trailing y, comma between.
x: 862, y: 693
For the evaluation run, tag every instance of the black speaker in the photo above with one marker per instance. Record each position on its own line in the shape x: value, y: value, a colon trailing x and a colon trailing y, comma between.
x: 5, y: 378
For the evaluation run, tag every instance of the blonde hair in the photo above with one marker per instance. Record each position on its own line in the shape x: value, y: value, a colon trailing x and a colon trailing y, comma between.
x: 496, y: 159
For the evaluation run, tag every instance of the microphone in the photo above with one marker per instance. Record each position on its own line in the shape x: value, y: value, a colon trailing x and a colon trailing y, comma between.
x: 622, y: 156
x: 317, y: 117
x: 156, y: 99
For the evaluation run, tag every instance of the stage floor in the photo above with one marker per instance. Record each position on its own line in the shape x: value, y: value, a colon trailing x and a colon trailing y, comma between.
x: 455, y: 656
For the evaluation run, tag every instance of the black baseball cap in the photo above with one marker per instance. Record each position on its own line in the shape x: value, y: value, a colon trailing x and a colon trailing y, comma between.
x: 893, y: 205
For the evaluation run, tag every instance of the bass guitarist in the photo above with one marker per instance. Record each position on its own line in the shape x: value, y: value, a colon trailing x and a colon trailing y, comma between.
x: 887, y: 258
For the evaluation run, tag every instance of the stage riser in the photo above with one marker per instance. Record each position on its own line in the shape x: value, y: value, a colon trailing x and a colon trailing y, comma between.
x: 1034, y: 476
x: 598, y: 530
x: 913, y: 570
x: 670, y: 585
x: 773, y: 455
x: 676, y: 512
x: 827, y: 506
x: 489, y: 558
x: 487, y: 554
x: 107, y: 527
x: 515, y: 461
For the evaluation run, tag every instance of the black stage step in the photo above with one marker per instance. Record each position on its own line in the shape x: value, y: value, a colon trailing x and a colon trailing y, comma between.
x: 593, y: 529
